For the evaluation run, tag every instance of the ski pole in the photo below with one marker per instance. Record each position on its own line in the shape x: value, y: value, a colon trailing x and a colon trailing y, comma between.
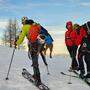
x: 29, y: 55
x: 48, y: 73
x: 10, y: 64
x: 69, y: 82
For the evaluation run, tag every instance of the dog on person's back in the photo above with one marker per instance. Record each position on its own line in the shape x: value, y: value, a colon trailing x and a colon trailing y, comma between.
x: 47, y: 42
x: 50, y: 47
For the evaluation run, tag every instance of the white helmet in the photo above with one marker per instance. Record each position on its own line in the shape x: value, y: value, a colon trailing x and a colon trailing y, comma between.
x: 24, y: 19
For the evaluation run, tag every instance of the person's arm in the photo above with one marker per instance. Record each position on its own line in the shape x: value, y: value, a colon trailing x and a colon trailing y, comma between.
x: 22, y: 35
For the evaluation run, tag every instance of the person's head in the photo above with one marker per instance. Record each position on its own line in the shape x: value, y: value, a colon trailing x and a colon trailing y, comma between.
x: 76, y: 26
x: 69, y: 25
x: 86, y: 27
x: 24, y: 19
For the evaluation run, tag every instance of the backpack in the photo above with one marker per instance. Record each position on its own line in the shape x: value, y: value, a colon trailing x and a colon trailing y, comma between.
x: 33, y: 33
x: 86, y: 43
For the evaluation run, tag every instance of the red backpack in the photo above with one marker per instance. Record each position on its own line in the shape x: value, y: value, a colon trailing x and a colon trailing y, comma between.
x: 33, y: 33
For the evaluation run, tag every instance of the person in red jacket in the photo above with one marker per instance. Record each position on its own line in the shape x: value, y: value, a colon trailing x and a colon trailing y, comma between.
x: 71, y: 47
x: 77, y: 35
x: 68, y: 40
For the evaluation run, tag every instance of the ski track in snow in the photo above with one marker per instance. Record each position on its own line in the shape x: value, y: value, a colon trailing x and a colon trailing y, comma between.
x: 55, y: 81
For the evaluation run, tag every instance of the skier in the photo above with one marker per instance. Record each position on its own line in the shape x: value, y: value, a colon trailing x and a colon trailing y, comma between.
x: 76, y: 35
x: 84, y: 51
x: 41, y: 40
x: 71, y: 47
x: 31, y: 30
x: 43, y: 37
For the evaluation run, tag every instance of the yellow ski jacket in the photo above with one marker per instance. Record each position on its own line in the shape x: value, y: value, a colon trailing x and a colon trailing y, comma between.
x: 23, y: 33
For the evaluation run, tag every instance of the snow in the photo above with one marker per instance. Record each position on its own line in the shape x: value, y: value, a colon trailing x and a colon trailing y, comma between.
x: 55, y: 81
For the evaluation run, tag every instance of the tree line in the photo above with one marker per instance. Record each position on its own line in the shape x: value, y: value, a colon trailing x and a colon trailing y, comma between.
x: 11, y: 32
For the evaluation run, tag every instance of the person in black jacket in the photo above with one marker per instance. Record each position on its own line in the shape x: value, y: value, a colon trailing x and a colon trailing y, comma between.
x: 84, y: 53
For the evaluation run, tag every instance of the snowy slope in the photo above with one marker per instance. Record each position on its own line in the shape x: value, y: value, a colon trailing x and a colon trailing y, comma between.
x: 55, y: 80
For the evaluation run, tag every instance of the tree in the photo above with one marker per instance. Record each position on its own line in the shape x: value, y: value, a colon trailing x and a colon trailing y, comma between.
x: 10, y: 33
x: 4, y: 38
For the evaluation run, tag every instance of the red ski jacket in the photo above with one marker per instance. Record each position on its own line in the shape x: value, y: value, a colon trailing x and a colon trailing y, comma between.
x: 77, y: 38
x: 68, y: 40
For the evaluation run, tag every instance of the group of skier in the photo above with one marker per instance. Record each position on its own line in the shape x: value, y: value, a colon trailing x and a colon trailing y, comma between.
x: 77, y: 40
x: 38, y: 41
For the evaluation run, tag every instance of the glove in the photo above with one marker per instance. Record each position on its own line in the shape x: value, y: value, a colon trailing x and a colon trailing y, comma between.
x: 15, y: 45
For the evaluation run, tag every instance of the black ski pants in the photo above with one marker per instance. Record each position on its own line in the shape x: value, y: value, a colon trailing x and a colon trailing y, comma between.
x: 72, y: 51
x: 33, y: 47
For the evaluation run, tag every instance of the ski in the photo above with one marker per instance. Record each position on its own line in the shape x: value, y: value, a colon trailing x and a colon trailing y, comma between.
x: 68, y: 75
x: 86, y: 80
x: 29, y: 77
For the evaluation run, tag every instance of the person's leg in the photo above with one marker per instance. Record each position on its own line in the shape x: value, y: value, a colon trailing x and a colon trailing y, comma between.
x: 74, y: 61
x: 35, y: 64
x: 81, y: 64
x: 36, y: 67
x: 72, y: 50
x: 69, y: 48
x: 80, y: 61
x: 87, y: 60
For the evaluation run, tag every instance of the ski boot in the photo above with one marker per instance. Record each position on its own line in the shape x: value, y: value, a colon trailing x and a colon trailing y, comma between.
x: 71, y: 69
x: 37, y: 80
x: 81, y: 75
x: 87, y: 75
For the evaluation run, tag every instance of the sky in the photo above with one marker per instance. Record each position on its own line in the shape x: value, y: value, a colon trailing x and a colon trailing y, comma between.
x: 52, y: 14
x: 47, y: 12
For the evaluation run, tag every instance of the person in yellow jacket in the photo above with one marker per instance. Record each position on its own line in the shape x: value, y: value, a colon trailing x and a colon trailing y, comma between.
x: 25, y: 29
x: 34, y: 48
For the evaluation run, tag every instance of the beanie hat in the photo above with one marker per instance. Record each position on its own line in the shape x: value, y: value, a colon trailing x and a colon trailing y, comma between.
x: 69, y: 23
